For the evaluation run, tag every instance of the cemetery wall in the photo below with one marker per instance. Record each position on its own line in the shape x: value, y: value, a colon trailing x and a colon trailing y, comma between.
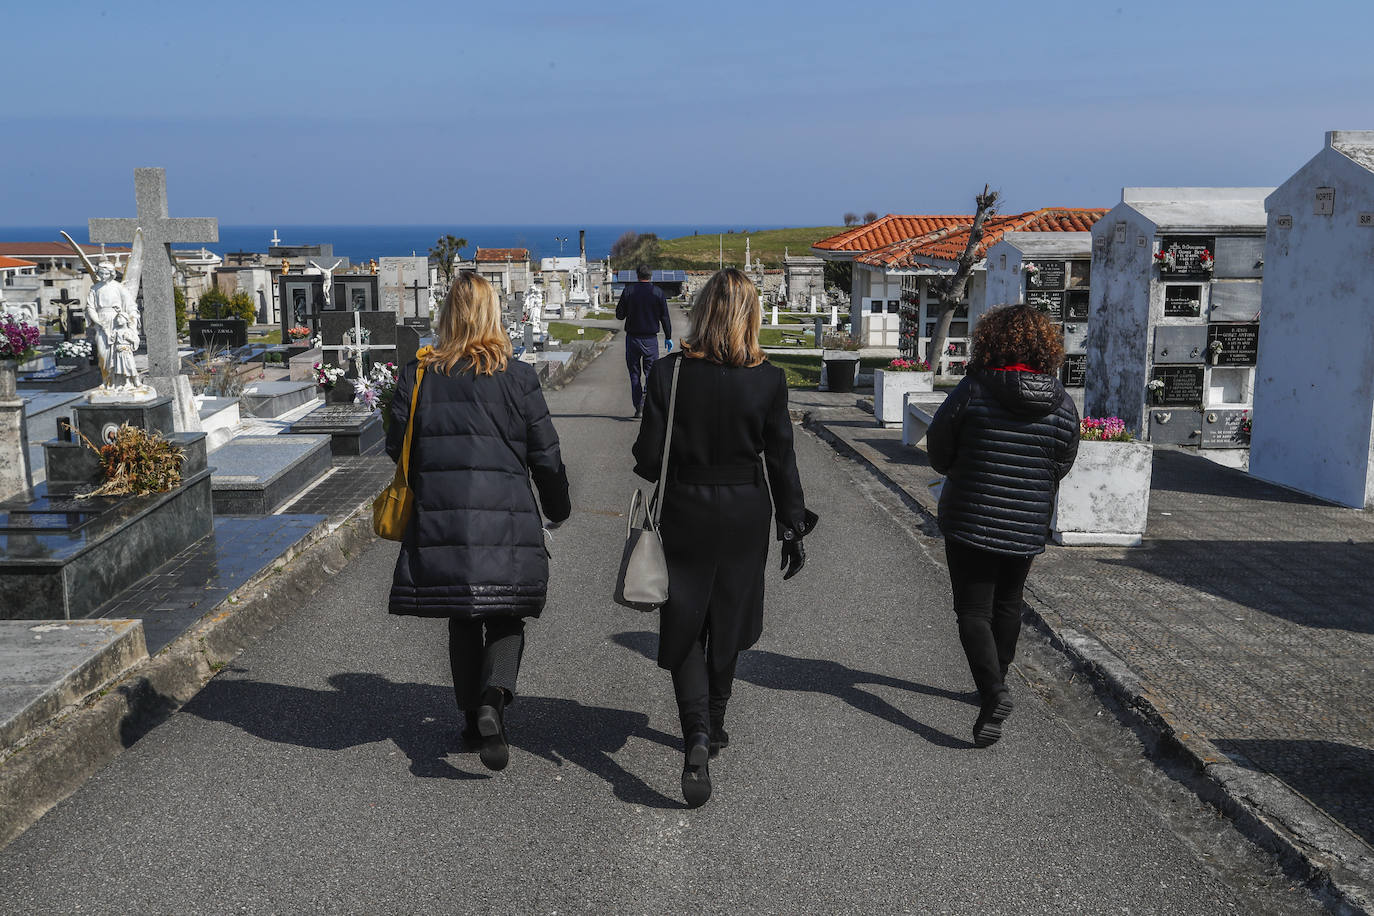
x: 1315, y: 383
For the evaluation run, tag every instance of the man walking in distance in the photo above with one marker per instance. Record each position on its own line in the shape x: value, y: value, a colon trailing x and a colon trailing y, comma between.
x: 644, y: 309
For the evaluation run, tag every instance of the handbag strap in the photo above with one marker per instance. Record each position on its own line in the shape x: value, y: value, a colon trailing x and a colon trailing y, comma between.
x: 656, y: 502
x: 410, y: 424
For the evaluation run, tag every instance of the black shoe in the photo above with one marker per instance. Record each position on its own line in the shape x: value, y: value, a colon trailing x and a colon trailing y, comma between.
x: 495, y: 753
x: 987, y: 728
x: 696, y: 772
x: 720, y: 739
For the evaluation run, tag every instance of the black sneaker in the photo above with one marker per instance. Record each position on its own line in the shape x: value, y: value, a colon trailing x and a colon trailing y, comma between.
x: 987, y: 728
x: 495, y: 753
x: 696, y: 771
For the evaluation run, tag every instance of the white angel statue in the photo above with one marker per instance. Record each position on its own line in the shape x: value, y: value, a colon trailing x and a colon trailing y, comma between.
x: 110, y: 299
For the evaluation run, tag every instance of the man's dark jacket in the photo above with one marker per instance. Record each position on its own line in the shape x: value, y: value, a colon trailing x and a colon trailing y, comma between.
x: 1004, y: 439
x: 644, y: 309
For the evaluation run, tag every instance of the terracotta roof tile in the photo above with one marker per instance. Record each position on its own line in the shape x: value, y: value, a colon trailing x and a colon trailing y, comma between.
x: 7, y: 263
x: 53, y: 248
x: 888, y: 229
x: 947, y: 245
x: 502, y: 254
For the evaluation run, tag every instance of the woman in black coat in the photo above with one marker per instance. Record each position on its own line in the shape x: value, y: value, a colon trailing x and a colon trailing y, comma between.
x: 731, y: 408
x: 474, y: 550
x: 1004, y: 438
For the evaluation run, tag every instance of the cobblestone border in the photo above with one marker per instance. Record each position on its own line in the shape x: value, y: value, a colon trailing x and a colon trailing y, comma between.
x: 1334, y: 863
x: 52, y: 763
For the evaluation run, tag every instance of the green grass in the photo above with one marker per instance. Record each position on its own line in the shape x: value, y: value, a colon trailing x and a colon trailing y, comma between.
x: 271, y: 337
x: 561, y: 330
x: 702, y: 252
x: 599, y: 316
x: 805, y: 371
x: 773, y: 337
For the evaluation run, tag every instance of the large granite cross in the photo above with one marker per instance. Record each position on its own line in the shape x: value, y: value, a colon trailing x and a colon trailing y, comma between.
x: 159, y: 232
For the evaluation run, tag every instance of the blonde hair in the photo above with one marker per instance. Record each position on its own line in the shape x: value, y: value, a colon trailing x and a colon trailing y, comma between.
x: 725, y: 321
x: 470, y: 328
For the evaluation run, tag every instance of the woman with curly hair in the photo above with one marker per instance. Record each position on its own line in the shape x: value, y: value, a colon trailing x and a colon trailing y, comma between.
x: 1004, y: 438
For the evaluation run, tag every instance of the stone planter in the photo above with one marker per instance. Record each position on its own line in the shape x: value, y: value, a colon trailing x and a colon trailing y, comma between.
x: 1104, y: 500
x: 839, y: 368
x: 889, y: 387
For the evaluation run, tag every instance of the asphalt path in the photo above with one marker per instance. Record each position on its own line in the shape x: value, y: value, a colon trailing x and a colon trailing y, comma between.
x: 322, y: 771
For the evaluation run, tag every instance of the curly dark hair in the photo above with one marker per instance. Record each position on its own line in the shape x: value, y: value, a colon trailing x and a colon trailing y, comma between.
x: 1017, y: 334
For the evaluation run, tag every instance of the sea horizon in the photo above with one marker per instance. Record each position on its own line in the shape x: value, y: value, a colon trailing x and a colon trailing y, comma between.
x: 359, y: 242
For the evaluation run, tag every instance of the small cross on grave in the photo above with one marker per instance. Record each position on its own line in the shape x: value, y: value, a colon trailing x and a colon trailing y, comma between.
x: 415, y: 287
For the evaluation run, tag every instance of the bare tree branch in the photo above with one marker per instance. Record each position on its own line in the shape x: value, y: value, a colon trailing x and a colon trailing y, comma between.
x: 950, y: 290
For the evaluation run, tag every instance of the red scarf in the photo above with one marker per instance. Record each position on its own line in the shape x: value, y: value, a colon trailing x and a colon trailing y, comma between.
x: 1015, y: 367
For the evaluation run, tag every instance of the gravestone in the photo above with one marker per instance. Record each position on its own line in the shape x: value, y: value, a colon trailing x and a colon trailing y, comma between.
x: 404, y: 285
x: 355, y: 293
x: 356, y: 340
x: 302, y: 299
x: 218, y: 333
x: 159, y: 313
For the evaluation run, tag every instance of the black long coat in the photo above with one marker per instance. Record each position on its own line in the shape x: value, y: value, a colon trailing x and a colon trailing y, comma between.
x: 475, y: 545
x: 716, y: 506
x: 1005, y: 439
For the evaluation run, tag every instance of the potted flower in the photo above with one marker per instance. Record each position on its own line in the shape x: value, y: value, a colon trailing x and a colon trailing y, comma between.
x: 1156, y: 389
x: 1214, y: 351
x: 328, y: 378
x: 1032, y: 272
x: 74, y: 352
x: 1206, y: 259
x: 1105, y: 498
x: 1166, y: 260
x: 839, y: 362
x: 893, y: 381
x: 18, y: 343
x: 298, y: 333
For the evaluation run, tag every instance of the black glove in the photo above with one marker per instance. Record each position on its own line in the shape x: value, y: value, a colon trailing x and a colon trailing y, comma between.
x: 793, y: 555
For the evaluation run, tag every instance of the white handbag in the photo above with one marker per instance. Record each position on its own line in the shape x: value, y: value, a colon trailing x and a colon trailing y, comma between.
x: 642, y: 582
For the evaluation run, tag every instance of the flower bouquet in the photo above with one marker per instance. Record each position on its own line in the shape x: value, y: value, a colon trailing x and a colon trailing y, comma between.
x: 18, y: 339
x: 901, y: 364
x: 1156, y: 388
x: 377, y: 389
x: 1103, y: 429
x: 73, y: 349
x: 1166, y: 259
x: 1032, y: 272
x: 298, y: 333
x: 327, y: 376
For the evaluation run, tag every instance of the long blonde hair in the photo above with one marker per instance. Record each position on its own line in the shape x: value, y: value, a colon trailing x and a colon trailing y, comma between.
x: 470, y: 328
x: 725, y: 321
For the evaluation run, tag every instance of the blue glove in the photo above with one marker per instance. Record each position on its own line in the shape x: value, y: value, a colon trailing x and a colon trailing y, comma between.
x: 667, y: 345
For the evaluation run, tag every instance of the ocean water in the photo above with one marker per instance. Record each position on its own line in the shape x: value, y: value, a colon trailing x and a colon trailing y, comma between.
x: 358, y: 243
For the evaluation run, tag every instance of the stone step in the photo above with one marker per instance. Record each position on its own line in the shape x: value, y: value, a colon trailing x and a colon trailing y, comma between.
x: 46, y: 666
x: 254, y: 475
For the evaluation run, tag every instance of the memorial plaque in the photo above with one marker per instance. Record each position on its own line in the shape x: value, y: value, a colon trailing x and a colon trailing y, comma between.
x: 1051, y: 302
x: 1176, y: 427
x: 1237, y: 300
x: 219, y: 333
x: 1075, y: 371
x: 1239, y: 344
x: 1239, y: 257
x: 1180, y: 343
x: 1189, y: 256
x: 1049, y: 276
x: 1080, y: 274
x: 1221, y: 429
x: 355, y: 293
x: 1182, y: 386
x: 1076, y: 305
x: 1182, y: 301
x: 1075, y: 337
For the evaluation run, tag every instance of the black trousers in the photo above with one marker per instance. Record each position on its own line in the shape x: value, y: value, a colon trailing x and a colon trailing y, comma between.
x: 702, y: 687
x: 484, y: 654
x: 987, y: 600
x: 640, y: 355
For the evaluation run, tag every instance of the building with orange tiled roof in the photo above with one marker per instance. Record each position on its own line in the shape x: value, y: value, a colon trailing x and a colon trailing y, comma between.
x: 892, y: 301
x: 55, y: 279
x: 508, y: 269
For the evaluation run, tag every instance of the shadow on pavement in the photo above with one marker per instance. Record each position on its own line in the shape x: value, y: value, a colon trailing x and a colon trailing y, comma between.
x: 1183, y: 473
x: 422, y: 721
x: 1265, y: 576
x: 1338, y: 778
x: 783, y: 672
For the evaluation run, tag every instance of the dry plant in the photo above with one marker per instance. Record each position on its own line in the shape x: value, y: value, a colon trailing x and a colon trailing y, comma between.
x: 135, y: 462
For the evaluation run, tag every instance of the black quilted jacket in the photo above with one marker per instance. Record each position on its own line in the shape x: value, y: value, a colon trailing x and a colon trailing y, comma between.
x: 475, y: 546
x: 1004, y: 440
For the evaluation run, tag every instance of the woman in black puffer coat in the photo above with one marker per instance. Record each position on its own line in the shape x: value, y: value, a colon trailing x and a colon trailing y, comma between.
x: 474, y: 550
x: 1004, y: 438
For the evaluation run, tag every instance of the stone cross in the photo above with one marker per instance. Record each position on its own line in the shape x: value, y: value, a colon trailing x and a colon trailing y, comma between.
x: 159, y: 232
x: 415, y: 288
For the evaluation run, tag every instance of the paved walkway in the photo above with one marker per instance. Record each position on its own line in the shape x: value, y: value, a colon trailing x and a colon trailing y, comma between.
x: 319, y: 772
x: 1244, y: 622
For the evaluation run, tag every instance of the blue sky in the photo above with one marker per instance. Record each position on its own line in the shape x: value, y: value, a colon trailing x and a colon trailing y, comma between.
x: 765, y: 113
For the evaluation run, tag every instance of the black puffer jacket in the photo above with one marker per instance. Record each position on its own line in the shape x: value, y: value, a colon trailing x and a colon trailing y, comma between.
x: 1004, y: 439
x: 474, y: 547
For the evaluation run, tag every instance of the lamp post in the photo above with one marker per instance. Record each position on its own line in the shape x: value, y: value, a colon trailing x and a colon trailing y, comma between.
x: 560, y: 239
